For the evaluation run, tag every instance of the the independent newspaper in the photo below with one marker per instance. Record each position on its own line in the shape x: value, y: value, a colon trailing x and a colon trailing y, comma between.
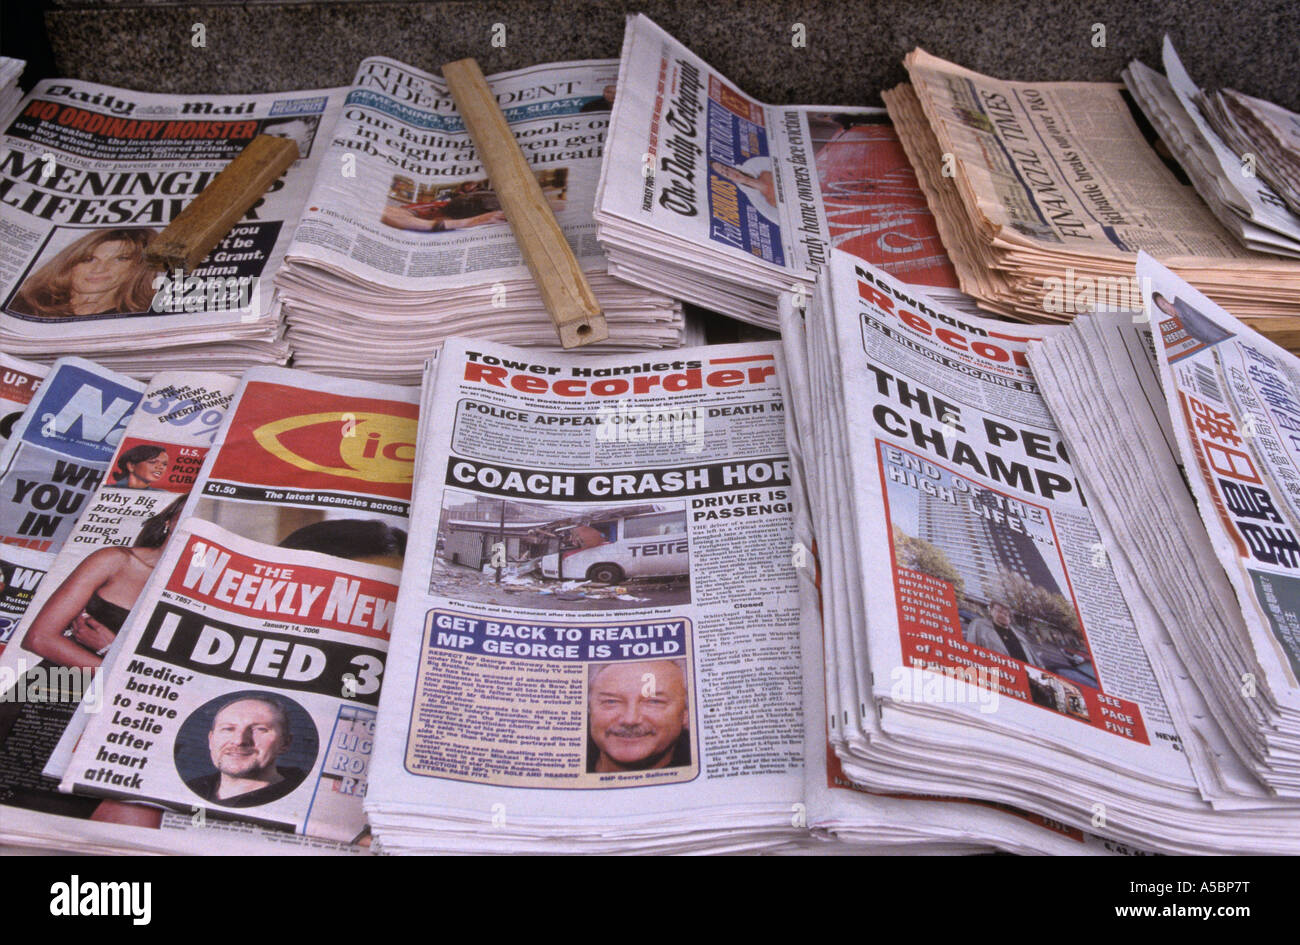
x: 401, y: 166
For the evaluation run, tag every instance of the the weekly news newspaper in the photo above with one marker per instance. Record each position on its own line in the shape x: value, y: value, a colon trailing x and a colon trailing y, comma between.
x: 60, y: 450
x: 307, y: 462
x: 1234, y: 398
x: 592, y: 539
x: 246, y: 687
x: 402, y: 166
x: 89, y: 174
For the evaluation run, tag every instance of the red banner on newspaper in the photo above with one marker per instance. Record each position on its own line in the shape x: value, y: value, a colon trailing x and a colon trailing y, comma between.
x: 292, y: 438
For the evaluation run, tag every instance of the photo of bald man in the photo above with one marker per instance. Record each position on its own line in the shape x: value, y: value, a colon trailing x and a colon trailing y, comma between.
x: 639, y: 716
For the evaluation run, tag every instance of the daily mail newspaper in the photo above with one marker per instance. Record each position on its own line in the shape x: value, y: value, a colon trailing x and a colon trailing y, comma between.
x: 59, y: 451
x: 1234, y: 398
x: 89, y: 174
x: 247, y: 687
x: 18, y: 384
x: 599, y: 598
x: 401, y: 166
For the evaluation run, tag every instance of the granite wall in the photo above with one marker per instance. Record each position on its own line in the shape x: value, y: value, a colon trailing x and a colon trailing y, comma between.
x: 853, y: 49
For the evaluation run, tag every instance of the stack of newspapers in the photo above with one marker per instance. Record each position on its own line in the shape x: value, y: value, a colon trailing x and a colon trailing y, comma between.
x: 1203, y: 407
x: 91, y: 174
x: 1265, y: 136
x: 978, y: 639
x: 1238, y: 196
x: 200, y: 666
x: 726, y: 201
x: 197, y: 613
x: 1044, y: 193
x: 10, y: 95
x: 404, y: 241
x: 603, y: 641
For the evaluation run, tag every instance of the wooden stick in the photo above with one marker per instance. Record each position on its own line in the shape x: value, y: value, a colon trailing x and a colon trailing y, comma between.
x: 564, y: 289
x: 210, y: 215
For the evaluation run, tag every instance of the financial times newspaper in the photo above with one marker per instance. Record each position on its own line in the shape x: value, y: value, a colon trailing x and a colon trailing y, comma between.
x: 599, y: 599
x: 247, y: 687
x: 1234, y: 399
x: 1062, y: 166
x: 90, y: 173
x: 60, y: 450
x: 697, y: 160
x: 402, y: 200
x: 993, y: 575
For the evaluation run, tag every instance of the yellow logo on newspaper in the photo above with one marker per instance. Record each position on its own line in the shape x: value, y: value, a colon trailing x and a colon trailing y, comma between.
x: 373, y: 447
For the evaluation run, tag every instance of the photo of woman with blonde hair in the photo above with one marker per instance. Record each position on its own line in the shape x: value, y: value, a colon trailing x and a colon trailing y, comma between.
x: 102, y: 273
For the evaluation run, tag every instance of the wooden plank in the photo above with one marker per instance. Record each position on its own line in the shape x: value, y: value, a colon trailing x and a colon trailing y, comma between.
x: 564, y: 289
x: 212, y: 214
x: 1282, y: 330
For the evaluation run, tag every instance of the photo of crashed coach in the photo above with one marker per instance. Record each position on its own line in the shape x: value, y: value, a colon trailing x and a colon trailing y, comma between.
x: 549, y: 556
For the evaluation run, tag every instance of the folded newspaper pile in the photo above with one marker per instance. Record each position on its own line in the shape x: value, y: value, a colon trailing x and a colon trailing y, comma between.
x: 1239, y: 198
x: 989, y: 651
x: 11, y: 71
x: 1203, y: 406
x: 293, y: 469
x: 1045, y: 192
x: 404, y: 241
x: 89, y: 174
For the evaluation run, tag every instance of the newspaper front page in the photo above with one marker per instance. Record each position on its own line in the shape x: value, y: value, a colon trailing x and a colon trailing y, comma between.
x: 600, y: 599
x: 1234, y: 399
x: 701, y: 162
x: 60, y: 450
x: 89, y: 174
x: 402, y: 200
x: 74, y: 618
x: 994, y: 577
x: 247, y: 687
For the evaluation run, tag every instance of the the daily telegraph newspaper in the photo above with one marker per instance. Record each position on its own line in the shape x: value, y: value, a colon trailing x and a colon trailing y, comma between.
x: 701, y: 162
x: 247, y: 687
x: 1234, y: 399
x: 599, y: 598
x: 19, y: 381
x: 89, y: 174
x: 992, y: 575
x: 60, y: 450
x: 401, y: 166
